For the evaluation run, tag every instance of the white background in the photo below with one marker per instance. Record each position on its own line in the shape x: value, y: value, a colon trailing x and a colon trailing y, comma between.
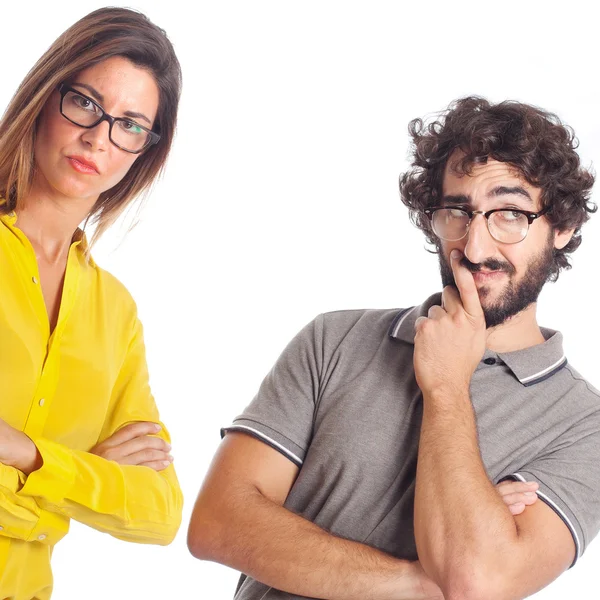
x: 280, y: 201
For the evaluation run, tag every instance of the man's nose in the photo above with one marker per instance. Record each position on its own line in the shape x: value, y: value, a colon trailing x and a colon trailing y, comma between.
x: 480, y: 244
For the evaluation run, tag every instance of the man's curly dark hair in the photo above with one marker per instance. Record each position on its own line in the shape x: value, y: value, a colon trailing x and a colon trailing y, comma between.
x: 533, y: 141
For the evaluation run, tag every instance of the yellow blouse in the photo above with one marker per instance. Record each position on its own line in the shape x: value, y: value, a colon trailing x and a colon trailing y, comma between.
x: 68, y: 391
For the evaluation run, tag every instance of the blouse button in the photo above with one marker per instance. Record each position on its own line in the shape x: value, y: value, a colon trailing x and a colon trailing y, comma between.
x: 42, y: 537
x: 41, y: 402
x: 34, y: 279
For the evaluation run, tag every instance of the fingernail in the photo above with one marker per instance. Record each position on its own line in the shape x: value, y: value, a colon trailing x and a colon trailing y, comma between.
x: 455, y: 253
x: 168, y: 446
x: 171, y: 458
x: 530, y: 493
x: 157, y: 427
x: 166, y: 462
x: 532, y: 484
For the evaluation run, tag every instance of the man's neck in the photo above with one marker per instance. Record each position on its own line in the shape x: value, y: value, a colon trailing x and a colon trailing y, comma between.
x: 518, y: 332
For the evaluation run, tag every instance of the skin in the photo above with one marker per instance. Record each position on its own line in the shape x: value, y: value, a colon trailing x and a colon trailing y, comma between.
x: 239, y: 519
x: 458, y: 548
x: 521, y: 331
x: 59, y: 200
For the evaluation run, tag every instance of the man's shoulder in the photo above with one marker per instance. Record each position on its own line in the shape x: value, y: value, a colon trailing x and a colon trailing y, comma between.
x: 363, y: 330
x: 374, y: 320
x: 581, y: 386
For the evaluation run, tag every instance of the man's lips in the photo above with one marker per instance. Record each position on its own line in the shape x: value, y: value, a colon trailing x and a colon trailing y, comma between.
x: 82, y: 165
x: 487, y: 276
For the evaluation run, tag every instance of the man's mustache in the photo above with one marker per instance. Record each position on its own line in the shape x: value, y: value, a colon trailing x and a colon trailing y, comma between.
x: 490, y: 264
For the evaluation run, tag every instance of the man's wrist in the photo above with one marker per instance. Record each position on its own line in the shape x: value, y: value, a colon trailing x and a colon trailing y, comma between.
x: 421, y: 585
x: 400, y: 579
x: 447, y: 393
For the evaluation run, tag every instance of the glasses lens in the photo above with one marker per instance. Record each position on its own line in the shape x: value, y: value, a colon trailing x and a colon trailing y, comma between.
x: 125, y: 133
x: 450, y: 224
x: 508, y: 226
x: 80, y: 110
x: 129, y: 135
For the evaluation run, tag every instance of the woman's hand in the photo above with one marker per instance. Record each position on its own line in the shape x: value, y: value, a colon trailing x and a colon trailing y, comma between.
x: 517, y: 494
x: 136, y: 444
x: 17, y: 450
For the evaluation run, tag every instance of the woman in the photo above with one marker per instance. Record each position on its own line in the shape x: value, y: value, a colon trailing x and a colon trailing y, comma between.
x: 88, y: 130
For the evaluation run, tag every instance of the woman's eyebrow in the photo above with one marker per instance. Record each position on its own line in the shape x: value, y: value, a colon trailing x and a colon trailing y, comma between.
x: 136, y: 115
x: 98, y: 96
x: 93, y: 91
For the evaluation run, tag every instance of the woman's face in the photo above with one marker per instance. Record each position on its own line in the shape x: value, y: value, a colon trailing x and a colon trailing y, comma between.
x: 62, y: 149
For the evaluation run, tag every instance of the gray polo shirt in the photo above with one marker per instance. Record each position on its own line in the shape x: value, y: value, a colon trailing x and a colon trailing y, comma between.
x: 342, y: 403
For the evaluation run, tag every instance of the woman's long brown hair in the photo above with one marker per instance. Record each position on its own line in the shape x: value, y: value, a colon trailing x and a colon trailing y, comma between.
x: 102, y: 34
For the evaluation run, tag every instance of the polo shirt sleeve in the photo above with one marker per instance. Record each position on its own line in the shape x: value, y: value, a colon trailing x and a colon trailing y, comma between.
x: 282, y: 413
x: 569, y: 480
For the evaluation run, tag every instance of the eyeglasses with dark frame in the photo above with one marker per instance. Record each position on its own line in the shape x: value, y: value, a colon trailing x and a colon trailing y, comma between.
x: 506, y: 225
x: 131, y: 136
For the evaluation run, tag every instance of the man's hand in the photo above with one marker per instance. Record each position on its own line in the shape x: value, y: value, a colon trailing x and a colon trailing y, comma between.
x: 17, y: 450
x: 136, y: 444
x: 518, y: 494
x: 450, y: 343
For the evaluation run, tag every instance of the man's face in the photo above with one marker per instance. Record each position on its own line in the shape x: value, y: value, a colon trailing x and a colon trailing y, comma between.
x: 509, y: 277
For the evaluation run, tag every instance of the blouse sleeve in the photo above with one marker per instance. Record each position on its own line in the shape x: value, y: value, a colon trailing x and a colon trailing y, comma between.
x: 21, y: 517
x: 133, y: 503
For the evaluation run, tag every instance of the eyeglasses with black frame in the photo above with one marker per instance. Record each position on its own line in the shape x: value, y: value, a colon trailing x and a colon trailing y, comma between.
x: 506, y: 225
x: 126, y: 134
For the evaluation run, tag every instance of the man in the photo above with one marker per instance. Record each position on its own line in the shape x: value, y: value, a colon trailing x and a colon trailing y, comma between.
x: 367, y: 465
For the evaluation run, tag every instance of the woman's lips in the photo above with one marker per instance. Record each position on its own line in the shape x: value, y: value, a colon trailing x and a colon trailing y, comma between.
x: 81, y: 167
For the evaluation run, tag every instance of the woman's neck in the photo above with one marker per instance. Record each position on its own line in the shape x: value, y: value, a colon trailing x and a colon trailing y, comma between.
x: 49, y: 222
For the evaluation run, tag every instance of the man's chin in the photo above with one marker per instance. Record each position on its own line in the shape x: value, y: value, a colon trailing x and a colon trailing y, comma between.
x: 490, y: 294
x: 493, y: 303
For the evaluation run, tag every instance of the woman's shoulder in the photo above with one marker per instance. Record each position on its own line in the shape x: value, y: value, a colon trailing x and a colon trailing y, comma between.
x: 114, y: 291
x: 112, y: 281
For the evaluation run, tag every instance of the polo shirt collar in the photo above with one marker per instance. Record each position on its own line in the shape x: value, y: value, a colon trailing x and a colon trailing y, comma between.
x: 529, y: 365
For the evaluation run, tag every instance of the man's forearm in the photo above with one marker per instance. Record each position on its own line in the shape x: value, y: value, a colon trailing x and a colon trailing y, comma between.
x: 285, y: 551
x: 462, y: 526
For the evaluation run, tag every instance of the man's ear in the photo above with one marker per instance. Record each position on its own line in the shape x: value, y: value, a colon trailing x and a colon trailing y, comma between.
x: 562, y: 238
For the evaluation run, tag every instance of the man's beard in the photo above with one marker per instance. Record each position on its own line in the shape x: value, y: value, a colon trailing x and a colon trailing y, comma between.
x: 516, y: 296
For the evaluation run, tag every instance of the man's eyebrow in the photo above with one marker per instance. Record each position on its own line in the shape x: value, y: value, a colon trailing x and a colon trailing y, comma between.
x: 515, y: 190
x: 98, y: 96
x: 501, y: 190
x: 459, y: 199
